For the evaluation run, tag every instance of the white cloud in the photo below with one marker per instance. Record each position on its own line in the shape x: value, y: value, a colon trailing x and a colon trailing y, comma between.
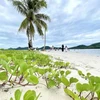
x: 96, y: 16
x: 72, y: 22
x: 95, y: 34
x: 82, y: 10
x: 71, y: 6
x: 3, y: 38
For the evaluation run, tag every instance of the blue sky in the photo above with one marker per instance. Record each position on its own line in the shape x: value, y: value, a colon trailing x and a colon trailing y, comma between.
x: 73, y: 22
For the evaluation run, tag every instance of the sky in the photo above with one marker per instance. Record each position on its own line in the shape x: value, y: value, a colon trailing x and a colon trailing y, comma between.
x: 73, y: 22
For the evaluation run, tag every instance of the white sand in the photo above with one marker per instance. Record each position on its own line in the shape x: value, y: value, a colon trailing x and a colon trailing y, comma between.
x: 46, y: 94
x: 86, y: 63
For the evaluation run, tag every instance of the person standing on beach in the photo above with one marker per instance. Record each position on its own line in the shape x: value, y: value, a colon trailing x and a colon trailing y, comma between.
x: 62, y: 48
x: 52, y: 47
x: 30, y: 45
x: 66, y: 48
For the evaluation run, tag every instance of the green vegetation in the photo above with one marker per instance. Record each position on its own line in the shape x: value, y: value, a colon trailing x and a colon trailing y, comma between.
x: 29, y: 95
x: 33, y: 19
x: 91, y: 88
x: 92, y: 46
x: 27, y: 68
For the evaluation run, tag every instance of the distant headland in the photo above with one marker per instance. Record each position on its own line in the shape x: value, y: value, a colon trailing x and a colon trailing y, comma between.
x: 92, y: 46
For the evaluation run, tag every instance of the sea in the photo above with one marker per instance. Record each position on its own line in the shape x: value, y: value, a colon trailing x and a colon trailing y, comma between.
x: 95, y: 52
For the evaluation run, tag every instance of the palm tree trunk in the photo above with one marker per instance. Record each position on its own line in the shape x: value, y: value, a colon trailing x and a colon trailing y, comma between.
x: 44, y: 40
x: 30, y: 46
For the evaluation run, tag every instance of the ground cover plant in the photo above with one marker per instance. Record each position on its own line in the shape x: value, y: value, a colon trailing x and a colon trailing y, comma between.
x: 27, y: 68
x: 29, y: 95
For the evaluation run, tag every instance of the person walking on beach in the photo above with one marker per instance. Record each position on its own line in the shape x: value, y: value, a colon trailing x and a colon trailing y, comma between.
x: 66, y: 49
x: 62, y: 48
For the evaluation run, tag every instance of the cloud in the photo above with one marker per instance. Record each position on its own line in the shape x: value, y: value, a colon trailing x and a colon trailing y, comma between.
x: 73, y: 22
x: 71, y: 6
x: 3, y: 38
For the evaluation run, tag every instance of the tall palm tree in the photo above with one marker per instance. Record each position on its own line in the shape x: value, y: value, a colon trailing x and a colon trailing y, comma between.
x: 33, y: 19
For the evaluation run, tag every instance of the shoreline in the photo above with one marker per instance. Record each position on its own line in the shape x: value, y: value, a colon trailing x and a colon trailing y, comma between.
x: 93, y: 52
x: 84, y: 62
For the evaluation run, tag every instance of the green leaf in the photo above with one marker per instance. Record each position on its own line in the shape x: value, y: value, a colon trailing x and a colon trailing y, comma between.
x: 82, y: 87
x: 31, y: 71
x: 29, y: 95
x: 68, y: 72
x: 3, y: 76
x: 32, y: 79
x: 65, y: 81
x: 71, y: 94
x: 58, y: 80
x: 17, y: 94
x: 15, y: 70
x: 3, y: 63
x: 88, y: 74
x: 98, y: 94
x: 4, y: 57
x: 8, y: 68
x: 51, y: 83
x: 67, y: 64
x: 62, y: 72
x: 26, y: 74
x: 23, y: 67
x: 97, y: 87
x: 56, y: 75
x: 73, y: 80
x: 11, y: 98
x: 80, y: 73
x: 41, y: 71
x: 82, y: 98
x: 94, y: 80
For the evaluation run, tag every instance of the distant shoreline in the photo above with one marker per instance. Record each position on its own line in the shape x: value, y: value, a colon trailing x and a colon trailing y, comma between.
x: 95, y: 52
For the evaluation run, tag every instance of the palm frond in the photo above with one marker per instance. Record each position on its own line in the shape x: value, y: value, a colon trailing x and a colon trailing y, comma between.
x: 36, y: 5
x: 37, y: 24
x: 30, y: 8
x: 43, y: 16
x: 24, y: 24
x: 39, y: 30
x: 30, y: 4
x: 43, y: 24
x: 41, y: 3
x: 20, y: 6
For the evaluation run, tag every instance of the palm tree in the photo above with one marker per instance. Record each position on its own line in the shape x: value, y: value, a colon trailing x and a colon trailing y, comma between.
x: 34, y: 21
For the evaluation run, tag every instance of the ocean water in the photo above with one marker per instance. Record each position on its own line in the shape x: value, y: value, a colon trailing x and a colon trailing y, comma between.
x: 95, y: 52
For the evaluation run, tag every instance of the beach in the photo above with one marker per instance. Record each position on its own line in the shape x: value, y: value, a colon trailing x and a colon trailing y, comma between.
x: 78, y: 61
